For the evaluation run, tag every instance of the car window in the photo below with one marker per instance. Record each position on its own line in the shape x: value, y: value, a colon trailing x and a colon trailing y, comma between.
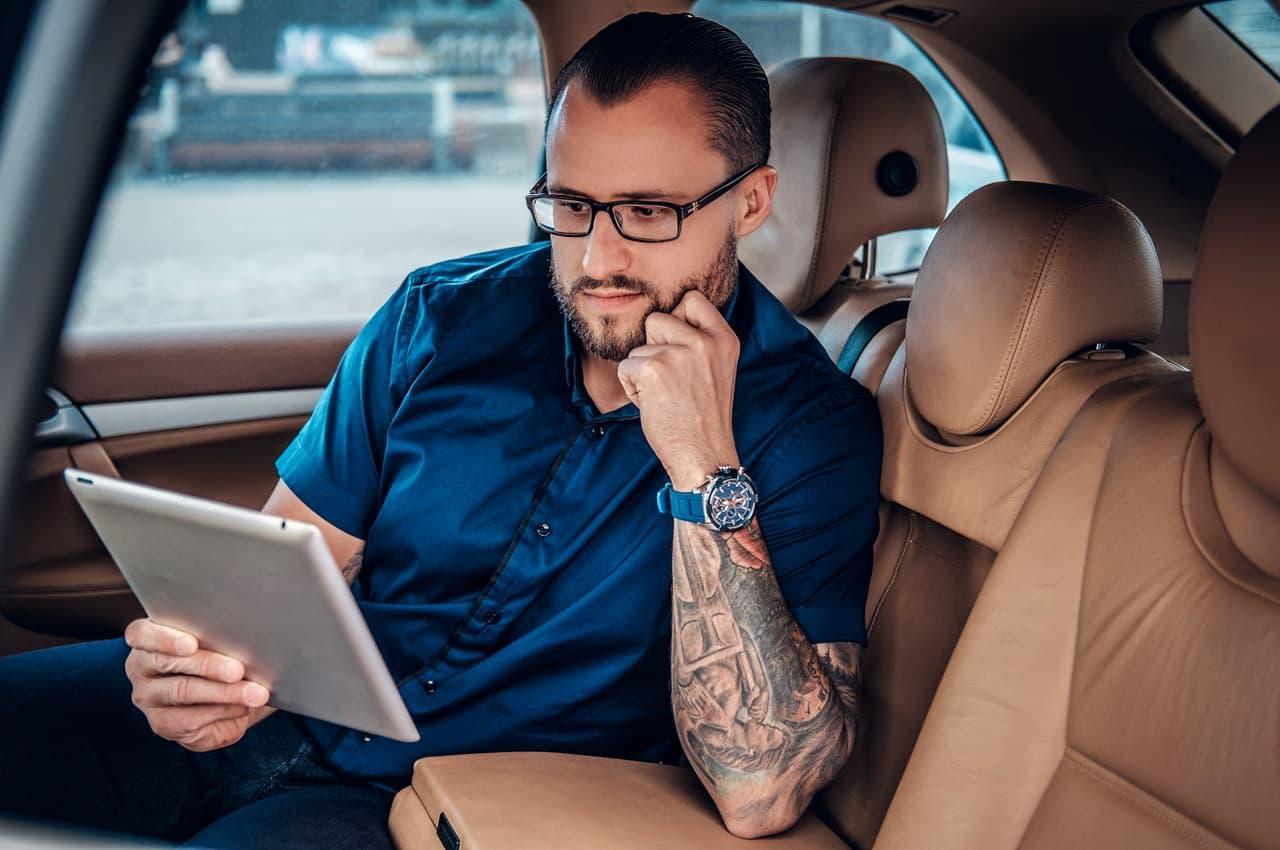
x: 1255, y: 24
x: 296, y: 159
x: 778, y: 32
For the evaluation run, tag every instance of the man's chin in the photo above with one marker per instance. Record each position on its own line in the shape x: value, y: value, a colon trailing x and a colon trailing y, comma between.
x: 609, y: 344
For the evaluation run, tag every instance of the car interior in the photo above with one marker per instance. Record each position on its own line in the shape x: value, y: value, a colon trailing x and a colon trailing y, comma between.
x: 1075, y: 599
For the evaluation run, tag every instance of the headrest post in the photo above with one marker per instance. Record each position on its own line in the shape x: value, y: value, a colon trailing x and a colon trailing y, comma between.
x: 869, y: 258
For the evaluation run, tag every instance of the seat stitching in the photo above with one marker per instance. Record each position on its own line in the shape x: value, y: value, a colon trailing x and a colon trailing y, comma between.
x: 986, y: 439
x: 897, y: 567
x: 1028, y: 294
x: 1036, y: 269
x: 1171, y: 816
x: 1037, y: 299
x: 1193, y: 528
x: 825, y: 203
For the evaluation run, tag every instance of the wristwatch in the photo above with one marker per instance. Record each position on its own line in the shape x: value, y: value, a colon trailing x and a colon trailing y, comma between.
x: 726, y: 501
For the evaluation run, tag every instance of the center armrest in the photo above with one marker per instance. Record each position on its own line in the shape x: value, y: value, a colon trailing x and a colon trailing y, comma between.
x: 553, y: 801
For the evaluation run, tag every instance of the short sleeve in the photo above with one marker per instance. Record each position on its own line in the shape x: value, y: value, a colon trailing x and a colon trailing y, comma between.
x: 334, y: 463
x: 819, y: 490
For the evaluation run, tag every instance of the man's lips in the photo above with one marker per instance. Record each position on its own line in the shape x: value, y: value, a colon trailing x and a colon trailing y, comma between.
x: 611, y: 297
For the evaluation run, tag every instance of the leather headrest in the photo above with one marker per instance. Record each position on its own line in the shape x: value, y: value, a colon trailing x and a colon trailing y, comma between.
x: 860, y: 153
x: 1235, y: 310
x: 1020, y: 277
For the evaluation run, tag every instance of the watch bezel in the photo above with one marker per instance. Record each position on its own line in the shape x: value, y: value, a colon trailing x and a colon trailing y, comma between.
x: 715, y: 480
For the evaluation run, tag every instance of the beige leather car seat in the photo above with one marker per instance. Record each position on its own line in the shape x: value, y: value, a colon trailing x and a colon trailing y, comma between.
x: 860, y: 153
x: 1078, y: 270
x: 1021, y: 283
x: 1116, y: 685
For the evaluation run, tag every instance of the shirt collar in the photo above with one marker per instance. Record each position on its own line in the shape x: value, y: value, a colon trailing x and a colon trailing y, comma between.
x: 573, y: 368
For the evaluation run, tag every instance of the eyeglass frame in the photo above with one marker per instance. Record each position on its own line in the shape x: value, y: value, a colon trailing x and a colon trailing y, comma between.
x: 682, y: 211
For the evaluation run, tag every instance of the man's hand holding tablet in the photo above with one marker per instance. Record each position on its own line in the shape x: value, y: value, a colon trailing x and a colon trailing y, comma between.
x: 194, y: 697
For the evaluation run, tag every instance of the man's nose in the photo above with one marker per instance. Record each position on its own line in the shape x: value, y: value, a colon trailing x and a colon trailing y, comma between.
x: 607, y: 253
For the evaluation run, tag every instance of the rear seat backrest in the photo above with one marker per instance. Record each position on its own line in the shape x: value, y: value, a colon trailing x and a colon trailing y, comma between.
x: 1115, y: 685
x: 860, y: 153
x: 1019, y: 284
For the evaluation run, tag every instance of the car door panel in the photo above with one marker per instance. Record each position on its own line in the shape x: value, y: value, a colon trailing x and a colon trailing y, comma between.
x: 202, y: 413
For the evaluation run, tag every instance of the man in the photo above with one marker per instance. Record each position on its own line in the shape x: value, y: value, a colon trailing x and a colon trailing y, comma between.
x: 580, y: 488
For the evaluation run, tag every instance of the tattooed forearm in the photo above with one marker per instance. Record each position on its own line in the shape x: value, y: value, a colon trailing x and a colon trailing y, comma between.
x: 352, y: 568
x: 765, y: 718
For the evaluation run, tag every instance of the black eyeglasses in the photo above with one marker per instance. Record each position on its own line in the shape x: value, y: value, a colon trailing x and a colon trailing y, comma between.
x: 637, y: 220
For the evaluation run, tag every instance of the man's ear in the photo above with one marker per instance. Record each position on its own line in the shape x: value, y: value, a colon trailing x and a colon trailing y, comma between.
x: 756, y: 194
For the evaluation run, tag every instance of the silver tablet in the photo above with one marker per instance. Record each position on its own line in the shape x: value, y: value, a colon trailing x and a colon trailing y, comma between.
x: 261, y: 589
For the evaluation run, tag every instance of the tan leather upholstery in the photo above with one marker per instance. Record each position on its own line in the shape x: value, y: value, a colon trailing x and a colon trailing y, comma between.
x: 834, y: 318
x: 977, y: 487
x: 829, y: 200
x: 1115, y: 685
x: 1023, y: 276
x: 951, y: 502
x: 131, y: 364
x: 551, y: 801
x: 1239, y: 290
x: 834, y: 120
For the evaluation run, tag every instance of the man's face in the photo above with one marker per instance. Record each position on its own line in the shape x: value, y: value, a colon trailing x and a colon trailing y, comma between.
x: 651, y: 147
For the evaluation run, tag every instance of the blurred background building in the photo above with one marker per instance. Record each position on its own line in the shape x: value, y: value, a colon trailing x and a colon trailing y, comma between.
x: 296, y: 158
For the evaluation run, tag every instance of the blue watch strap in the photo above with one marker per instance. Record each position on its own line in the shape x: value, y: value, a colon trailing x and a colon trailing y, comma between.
x: 685, y: 506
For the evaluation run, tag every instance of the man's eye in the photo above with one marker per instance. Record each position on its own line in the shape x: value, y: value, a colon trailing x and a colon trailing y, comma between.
x: 643, y: 212
x: 574, y: 207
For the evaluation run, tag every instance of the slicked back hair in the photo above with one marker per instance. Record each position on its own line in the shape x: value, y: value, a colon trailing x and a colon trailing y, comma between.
x: 644, y: 48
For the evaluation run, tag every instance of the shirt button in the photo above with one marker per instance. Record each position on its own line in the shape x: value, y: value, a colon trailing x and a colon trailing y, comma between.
x: 543, y: 529
x: 597, y: 430
x: 492, y: 617
x: 366, y: 738
x: 429, y: 686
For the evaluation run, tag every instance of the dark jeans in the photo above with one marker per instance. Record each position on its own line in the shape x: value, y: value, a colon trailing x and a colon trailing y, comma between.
x: 75, y: 750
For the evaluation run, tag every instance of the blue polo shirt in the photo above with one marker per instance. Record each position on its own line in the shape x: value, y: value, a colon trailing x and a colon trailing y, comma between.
x: 517, y: 574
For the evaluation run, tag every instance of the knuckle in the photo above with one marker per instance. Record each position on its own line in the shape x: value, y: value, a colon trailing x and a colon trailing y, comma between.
x: 181, y: 689
x: 194, y: 739
x: 165, y: 663
x: 207, y: 666
x: 222, y: 667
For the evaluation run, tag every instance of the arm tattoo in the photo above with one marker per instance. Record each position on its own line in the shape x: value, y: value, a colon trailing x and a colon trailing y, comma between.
x: 352, y: 569
x: 753, y: 699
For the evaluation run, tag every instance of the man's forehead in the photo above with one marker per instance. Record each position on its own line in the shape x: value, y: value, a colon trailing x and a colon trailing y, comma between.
x: 653, y: 145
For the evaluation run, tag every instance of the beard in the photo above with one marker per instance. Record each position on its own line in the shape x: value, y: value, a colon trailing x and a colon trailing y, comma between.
x: 612, y: 337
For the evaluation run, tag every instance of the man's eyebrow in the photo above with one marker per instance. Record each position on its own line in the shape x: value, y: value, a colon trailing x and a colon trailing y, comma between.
x: 642, y: 195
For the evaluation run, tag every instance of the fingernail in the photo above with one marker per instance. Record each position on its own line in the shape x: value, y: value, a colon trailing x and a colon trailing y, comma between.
x: 256, y: 695
x: 229, y: 669
x: 186, y: 645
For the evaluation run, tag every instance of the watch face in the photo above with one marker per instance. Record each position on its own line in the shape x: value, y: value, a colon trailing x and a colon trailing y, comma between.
x: 731, y: 504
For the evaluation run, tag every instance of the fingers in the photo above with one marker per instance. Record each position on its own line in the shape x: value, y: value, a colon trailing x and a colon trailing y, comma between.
x: 205, y: 664
x: 151, y: 636
x: 694, y: 322
x: 176, y: 724
x: 221, y: 733
x: 696, y: 310
x: 192, y: 690
x: 630, y: 371
x: 666, y: 329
